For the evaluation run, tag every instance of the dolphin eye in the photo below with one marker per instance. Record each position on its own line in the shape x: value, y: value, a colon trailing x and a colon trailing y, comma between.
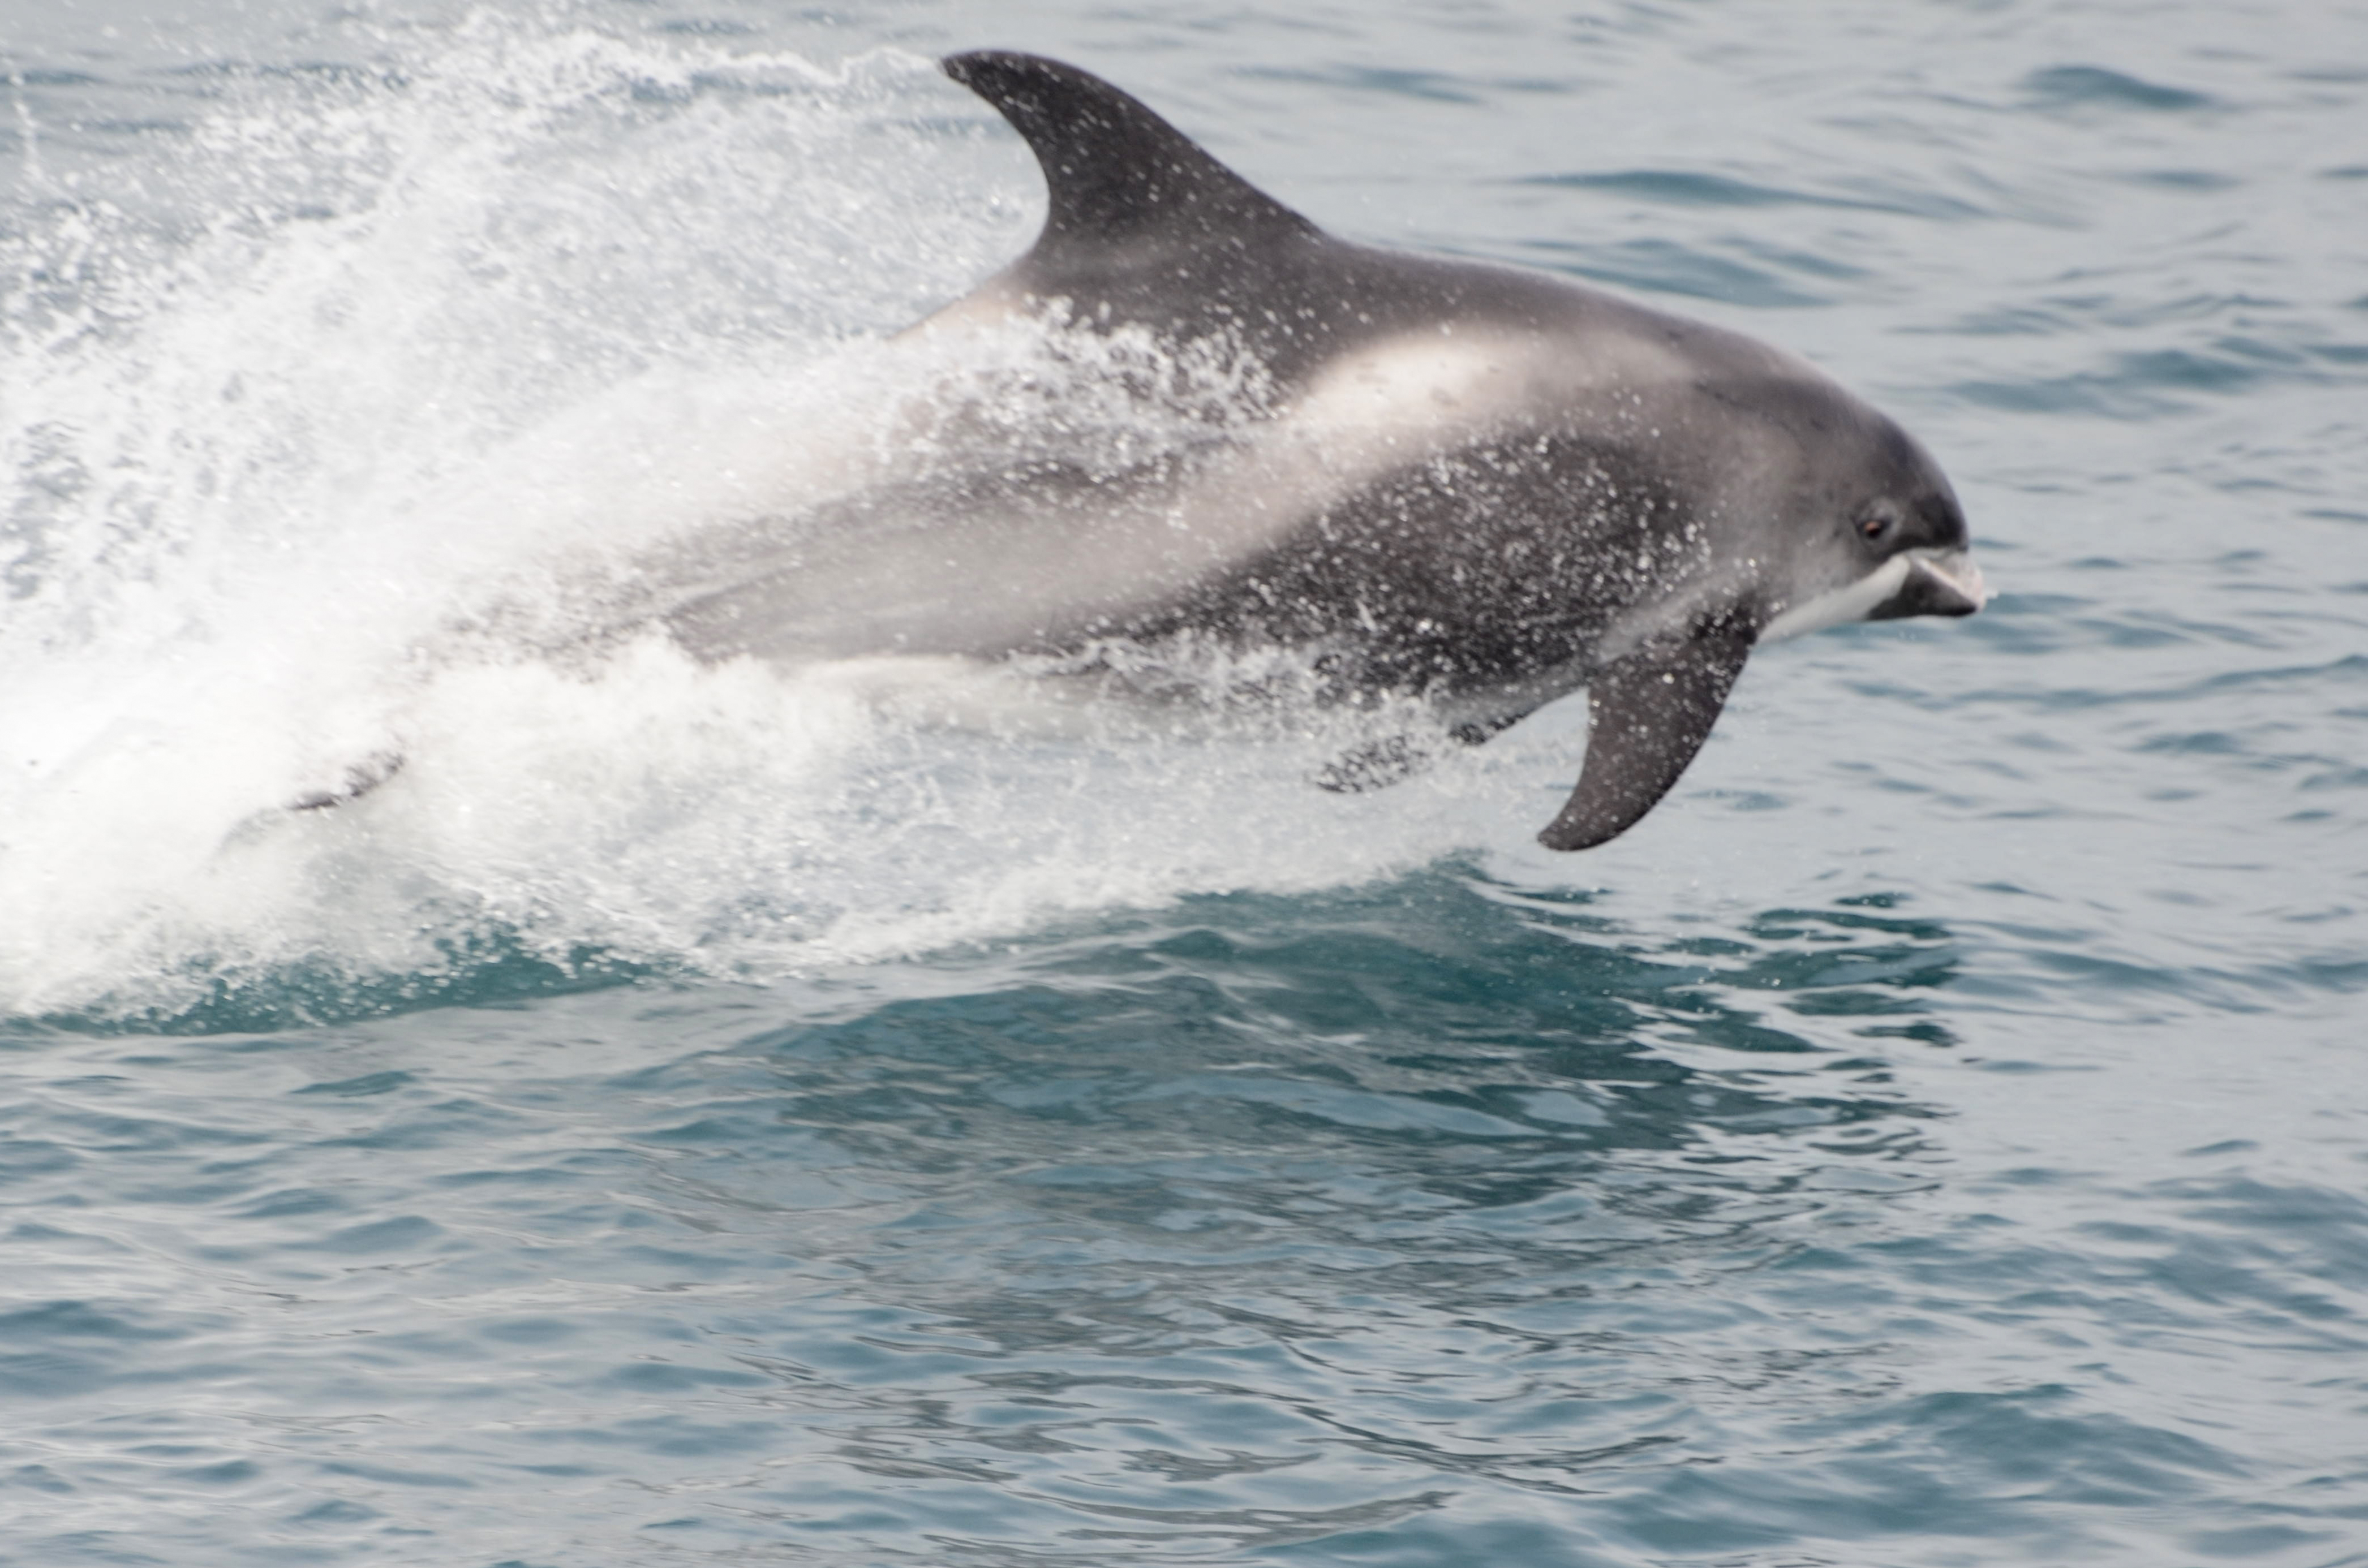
x: 1876, y: 525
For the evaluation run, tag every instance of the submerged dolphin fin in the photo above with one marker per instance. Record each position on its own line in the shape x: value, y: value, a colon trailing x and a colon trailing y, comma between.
x: 1648, y: 713
x: 1125, y: 186
x: 359, y: 780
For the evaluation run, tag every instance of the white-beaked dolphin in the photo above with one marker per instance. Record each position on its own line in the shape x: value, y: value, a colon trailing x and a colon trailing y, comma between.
x: 1456, y: 482
x: 1460, y: 483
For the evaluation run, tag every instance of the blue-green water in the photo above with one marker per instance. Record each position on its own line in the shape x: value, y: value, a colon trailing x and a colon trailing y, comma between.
x: 715, y: 1116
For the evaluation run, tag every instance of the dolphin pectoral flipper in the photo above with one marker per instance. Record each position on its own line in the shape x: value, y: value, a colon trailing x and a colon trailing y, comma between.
x: 1648, y: 713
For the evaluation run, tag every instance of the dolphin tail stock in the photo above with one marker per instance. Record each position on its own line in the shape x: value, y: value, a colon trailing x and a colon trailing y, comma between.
x: 1648, y: 713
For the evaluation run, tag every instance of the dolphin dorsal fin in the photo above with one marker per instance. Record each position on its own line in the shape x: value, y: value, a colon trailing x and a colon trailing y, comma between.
x: 1120, y: 179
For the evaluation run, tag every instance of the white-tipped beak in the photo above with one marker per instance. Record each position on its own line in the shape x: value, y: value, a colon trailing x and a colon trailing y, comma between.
x: 1941, y: 583
x: 1916, y: 582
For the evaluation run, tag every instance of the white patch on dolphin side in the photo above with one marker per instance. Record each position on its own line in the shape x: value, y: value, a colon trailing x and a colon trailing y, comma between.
x: 1381, y: 408
x: 1413, y: 383
x: 1420, y: 393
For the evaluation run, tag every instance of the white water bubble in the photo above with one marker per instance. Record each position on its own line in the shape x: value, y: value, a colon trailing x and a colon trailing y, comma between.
x: 376, y: 354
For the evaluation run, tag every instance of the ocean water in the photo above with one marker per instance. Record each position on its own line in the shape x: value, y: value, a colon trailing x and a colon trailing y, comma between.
x: 720, y: 1116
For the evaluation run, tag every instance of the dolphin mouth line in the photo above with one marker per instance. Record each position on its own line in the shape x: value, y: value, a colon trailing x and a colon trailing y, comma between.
x: 1923, y: 581
x: 1938, y: 582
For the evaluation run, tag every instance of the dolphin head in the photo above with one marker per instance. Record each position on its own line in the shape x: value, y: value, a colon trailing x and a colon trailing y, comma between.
x: 1859, y: 522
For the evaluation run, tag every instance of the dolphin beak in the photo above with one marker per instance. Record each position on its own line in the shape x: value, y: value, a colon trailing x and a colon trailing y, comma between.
x: 1946, y: 582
